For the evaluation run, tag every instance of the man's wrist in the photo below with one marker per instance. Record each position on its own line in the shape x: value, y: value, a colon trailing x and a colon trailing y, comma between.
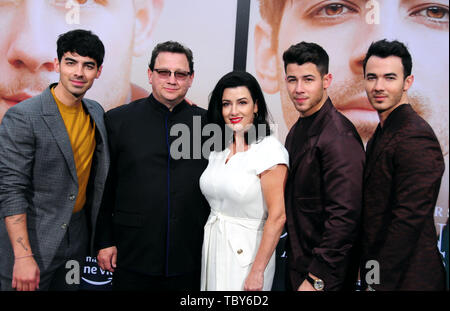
x: 24, y: 256
x: 317, y: 283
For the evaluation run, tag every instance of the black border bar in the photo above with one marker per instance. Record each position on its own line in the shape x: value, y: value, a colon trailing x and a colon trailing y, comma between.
x: 241, y: 37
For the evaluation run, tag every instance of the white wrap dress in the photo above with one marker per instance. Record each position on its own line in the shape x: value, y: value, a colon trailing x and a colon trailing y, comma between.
x: 238, y: 213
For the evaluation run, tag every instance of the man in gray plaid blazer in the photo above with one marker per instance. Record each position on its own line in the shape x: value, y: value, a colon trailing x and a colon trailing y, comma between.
x: 53, y: 165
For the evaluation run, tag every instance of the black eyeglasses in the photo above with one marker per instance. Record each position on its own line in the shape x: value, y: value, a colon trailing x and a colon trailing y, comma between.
x: 179, y: 75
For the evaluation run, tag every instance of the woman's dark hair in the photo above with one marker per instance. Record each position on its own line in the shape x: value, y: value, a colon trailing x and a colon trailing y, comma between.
x: 82, y: 42
x: 261, y: 120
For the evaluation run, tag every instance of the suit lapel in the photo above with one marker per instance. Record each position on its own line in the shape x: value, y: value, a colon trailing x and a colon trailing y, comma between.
x: 376, y: 152
x: 101, y: 138
x: 392, y: 124
x: 55, y: 123
x: 313, y: 133
x: 299, y: 155
x: 92, y: 113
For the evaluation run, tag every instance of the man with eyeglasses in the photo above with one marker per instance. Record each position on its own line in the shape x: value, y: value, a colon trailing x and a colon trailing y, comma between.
x: 150, y: 228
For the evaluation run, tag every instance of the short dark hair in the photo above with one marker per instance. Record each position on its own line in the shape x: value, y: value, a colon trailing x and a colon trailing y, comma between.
x: 231, y: 80
x: 172, y: 47
x: 307, y: 52
x: 82, y: 42
x: 384, y: 48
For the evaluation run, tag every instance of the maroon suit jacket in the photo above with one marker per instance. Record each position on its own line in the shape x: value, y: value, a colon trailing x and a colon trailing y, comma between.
x: 323, y: 198
x: 401, y: 185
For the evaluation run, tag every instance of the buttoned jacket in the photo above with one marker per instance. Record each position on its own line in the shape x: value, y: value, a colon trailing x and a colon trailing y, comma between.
x: 401, y: 185
x: 38, y: 175
x: 323, y: 198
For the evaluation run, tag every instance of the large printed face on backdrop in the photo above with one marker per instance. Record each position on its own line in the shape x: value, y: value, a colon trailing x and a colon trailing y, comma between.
x: 345, y: 29
x: 30, y: 29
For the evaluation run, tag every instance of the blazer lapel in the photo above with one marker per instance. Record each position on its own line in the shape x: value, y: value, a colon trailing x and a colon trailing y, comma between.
x: 313, y: 133
x: 55, y: 123
x: 101, y: 139
x: 299, y: 155
x: 92, y: 113
x: 391, y: 126
x: 376, y: 152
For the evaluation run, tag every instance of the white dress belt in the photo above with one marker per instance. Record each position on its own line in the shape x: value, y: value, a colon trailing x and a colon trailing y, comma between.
x: 242, y: 234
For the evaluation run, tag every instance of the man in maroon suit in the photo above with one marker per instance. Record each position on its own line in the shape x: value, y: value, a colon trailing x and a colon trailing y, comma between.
x: 324, y: 188
x: 401, y: 181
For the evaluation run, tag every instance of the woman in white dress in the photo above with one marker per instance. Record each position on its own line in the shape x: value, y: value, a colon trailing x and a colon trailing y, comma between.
x: 244, y: 185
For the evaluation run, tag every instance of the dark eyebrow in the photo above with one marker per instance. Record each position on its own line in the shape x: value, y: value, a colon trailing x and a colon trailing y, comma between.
x: 75, y: 61
x: 391, y: 74
x: 70, y: 59
x: 308, y: 76
x: 239, y: 99
x: 90, y: 63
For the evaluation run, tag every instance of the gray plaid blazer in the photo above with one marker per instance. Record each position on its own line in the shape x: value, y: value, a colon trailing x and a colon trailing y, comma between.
x: 38, y: 175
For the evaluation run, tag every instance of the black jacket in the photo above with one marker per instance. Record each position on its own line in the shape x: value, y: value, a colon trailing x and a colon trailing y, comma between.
x: 153, y: 209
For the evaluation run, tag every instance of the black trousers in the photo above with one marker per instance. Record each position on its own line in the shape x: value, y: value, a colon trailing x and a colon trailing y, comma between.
x: 126, y: 280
